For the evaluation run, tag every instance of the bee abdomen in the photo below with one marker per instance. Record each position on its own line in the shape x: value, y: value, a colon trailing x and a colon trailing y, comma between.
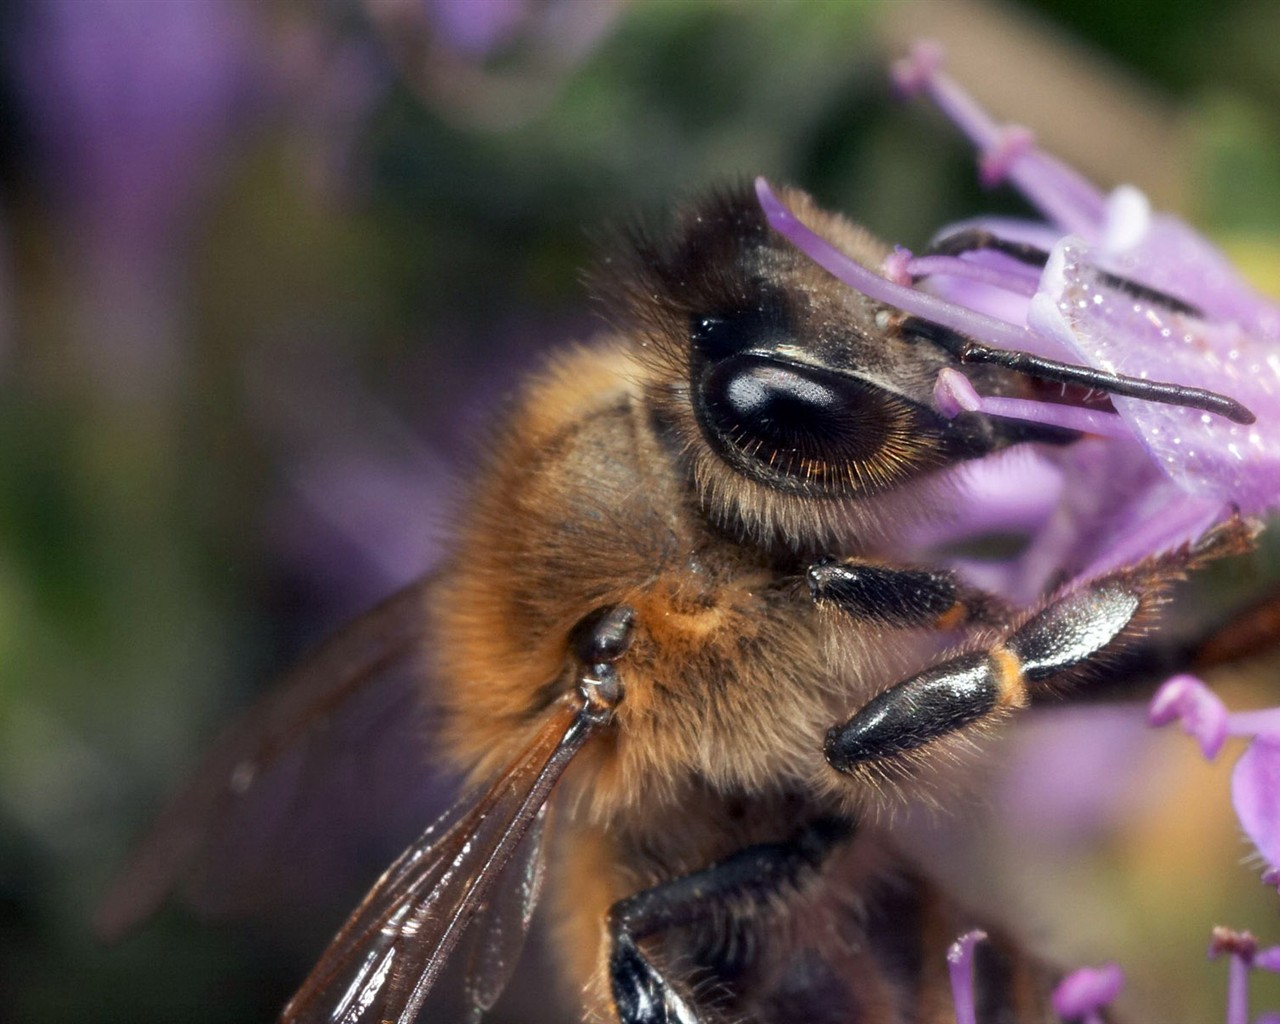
x: 883, y: 961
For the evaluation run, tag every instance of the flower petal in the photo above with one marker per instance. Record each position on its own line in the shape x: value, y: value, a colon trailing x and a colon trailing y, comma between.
x: 1255, y: 792
x: 1203, y: 716
x: 1139, y: 336
x: 1268, y: 959
x: 1087, y: 990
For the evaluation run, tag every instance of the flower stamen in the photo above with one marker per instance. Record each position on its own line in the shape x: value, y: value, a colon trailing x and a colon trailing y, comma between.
x: 1066, y: 198
x: 960, y: 967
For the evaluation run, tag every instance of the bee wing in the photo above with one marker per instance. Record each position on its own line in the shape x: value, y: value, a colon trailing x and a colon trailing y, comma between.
x: 275, y: 797
x: 500, y: 931
x: 388, y: 956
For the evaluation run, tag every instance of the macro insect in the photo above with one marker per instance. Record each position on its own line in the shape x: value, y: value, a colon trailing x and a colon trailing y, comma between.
x: 690, y: 649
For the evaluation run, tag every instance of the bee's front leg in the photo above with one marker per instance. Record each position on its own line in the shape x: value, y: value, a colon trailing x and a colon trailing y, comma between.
x: 748, y: 878
x: 1071, y: 633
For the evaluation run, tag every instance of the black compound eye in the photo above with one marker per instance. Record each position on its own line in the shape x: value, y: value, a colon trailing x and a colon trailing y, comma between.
x: 803, y: 428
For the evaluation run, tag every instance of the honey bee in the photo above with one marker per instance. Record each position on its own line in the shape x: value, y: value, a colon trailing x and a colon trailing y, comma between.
x: 679, y: 654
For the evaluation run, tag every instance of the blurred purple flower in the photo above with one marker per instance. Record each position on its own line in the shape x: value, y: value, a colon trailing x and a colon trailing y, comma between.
x: 1268, y: 959
x: 139, y: 110
x: 1059, y: 801
x: 1255, y: 782
x: 490, y: 63
x: 1203, y: 716
x: 1084, y: 993
x: 131, y: 101
x: 364, y: 498
x: 131, y: 104
x: 477, y: 28
x: 1255, y: 792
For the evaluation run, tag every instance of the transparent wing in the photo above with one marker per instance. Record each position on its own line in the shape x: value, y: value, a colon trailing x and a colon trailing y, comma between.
x: 331, y: 758
x: 388, y: 956
x: 500, y: 929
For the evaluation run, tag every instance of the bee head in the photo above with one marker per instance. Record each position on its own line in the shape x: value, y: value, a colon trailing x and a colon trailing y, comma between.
x: 789, y: 398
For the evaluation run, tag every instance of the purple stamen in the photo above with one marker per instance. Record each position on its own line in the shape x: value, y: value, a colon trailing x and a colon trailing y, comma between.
x: 897, y: 266
x: 910, y: 300
x: 960, y: 965
x: 1061, y: 194
x: 1083, y: 994
x: 912, y: 73
x: 1241, y: 947
x: 1254, y: 723
x: 1015, y: 143
x: 954, y: 266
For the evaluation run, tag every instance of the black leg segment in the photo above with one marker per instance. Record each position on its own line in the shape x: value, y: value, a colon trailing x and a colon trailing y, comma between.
x: 907, y: 598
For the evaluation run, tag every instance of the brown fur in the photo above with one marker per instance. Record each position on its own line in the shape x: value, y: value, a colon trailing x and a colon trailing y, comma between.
x: 733, y: 674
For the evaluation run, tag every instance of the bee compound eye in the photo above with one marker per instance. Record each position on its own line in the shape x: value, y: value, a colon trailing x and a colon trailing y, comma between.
x: 805, y: 424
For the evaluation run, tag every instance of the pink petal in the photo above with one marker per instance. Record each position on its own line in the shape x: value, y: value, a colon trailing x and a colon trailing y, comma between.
x: 1255, y: 792
x: 1089, y: 989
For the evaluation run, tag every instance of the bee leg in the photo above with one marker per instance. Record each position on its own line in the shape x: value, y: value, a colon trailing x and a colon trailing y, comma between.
x: 1069, y: 634
x: 752, y: 875
x: 906, y: 598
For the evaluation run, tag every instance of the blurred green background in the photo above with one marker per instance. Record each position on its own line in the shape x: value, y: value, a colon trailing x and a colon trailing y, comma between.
x: 268, y: 269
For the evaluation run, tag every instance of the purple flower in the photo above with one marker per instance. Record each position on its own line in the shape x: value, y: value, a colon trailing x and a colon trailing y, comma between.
x: 1107, y: 295
x: 1255, y: 792
x: 1083, y: 993
x: 1255, y: 782
x: 478, y: 28
x: 132, y: 103
x: 132, y: 106
x: 1203, y: 716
